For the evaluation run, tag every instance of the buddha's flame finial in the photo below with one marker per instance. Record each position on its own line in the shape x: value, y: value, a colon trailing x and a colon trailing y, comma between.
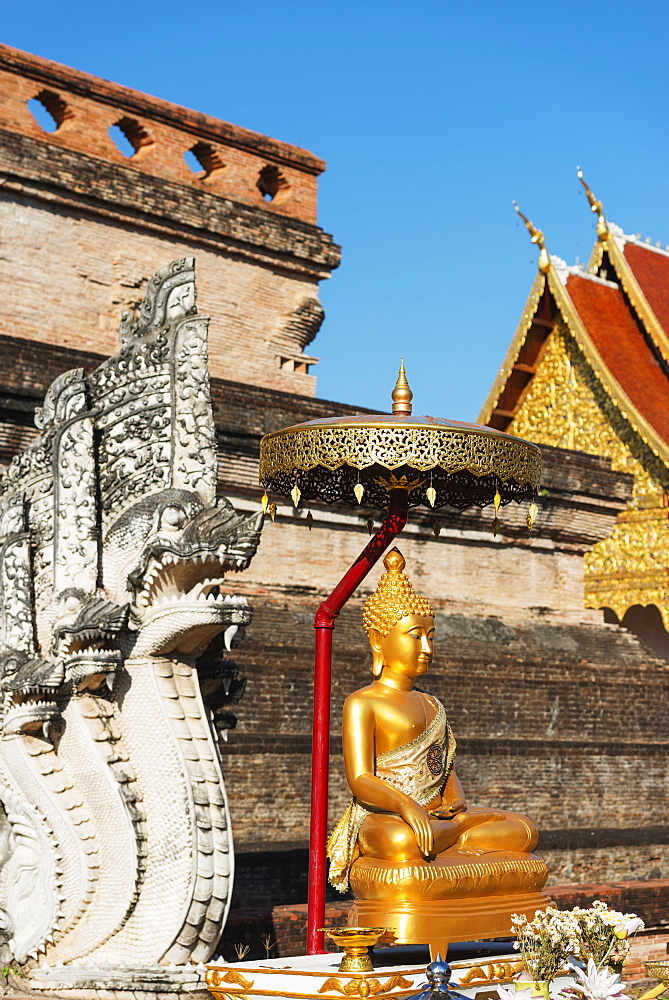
x: 538, y: 238
x: 596, y: 207
x: 402, y: 394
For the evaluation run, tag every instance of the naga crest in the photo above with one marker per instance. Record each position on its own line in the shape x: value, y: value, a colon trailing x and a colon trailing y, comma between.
x: 114, y: 552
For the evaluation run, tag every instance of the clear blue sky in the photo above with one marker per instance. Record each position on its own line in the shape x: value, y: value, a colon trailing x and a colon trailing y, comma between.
x: 432, y: 117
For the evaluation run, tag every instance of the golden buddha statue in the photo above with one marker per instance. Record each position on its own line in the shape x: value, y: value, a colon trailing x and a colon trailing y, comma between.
x: 419, y: 859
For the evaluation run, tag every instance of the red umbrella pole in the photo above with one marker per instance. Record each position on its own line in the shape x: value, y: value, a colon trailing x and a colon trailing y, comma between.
x: 324, y: 624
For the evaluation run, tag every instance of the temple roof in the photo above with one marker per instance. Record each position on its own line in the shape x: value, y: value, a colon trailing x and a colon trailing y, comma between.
x: 623, y: 347
x: 617, y: 310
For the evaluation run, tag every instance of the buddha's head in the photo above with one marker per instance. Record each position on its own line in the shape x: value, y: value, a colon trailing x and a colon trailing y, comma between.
x: 399, y: 622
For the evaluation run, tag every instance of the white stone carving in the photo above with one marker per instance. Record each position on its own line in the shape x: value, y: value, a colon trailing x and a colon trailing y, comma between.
x: 114, y: 549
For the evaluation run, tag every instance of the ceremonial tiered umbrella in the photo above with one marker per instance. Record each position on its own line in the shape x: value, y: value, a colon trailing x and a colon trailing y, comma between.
x: 392, y: 462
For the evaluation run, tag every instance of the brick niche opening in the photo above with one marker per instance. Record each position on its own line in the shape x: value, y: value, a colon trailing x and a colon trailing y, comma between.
x: 129, y: 136
x: 204, y: 160
x: 49, y: 110
x: 272, y: 185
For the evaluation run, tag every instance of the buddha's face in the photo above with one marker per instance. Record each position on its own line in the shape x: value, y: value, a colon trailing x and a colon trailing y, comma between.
x: 409, y: 646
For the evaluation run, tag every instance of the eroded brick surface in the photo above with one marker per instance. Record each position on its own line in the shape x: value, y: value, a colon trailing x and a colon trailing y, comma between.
x: 87, y: 226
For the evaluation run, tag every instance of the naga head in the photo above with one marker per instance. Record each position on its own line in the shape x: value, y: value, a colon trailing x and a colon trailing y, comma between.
x: 87, y: 639
x: 168, y: 556
x: 29, y: 688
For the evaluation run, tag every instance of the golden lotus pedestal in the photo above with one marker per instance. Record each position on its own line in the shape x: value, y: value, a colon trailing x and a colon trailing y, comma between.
x: 456, y: 897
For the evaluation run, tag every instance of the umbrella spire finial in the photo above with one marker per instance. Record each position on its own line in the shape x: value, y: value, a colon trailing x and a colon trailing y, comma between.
x: 402, y: 394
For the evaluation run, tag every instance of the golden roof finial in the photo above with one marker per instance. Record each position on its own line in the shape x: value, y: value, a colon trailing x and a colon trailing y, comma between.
x: 402, y: 394
x: 595, y: 206
x: 538, y: 238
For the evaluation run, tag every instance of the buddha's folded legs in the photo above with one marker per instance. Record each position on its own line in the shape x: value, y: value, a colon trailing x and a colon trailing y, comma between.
x: 479, y: 830
x: 494, y: 830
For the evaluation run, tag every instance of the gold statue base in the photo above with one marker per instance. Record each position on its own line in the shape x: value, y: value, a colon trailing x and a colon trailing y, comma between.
x: 453, y: 898
x: 439, y: 923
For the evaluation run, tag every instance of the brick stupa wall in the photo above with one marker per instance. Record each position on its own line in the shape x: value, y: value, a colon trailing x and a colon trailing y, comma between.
x: 89, y: 225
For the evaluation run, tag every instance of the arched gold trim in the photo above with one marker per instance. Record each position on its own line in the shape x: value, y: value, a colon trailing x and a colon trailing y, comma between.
x: 637, y: 422
x: 608, y: 243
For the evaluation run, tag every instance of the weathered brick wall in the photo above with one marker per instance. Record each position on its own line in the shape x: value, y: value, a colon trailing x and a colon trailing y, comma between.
x: 85, y: 107
x: 115, y: 220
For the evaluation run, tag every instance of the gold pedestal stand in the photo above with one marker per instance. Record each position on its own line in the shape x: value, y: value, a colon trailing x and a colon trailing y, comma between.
x: 443, y: 922
x: 453, y: 898
x: 356, y: 942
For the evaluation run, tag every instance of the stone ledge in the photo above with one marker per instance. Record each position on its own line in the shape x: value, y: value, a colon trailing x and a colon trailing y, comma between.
x: 50, y: 173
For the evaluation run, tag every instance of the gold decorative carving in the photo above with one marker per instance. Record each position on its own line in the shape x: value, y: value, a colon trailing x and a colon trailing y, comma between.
x: 472, y: 870
x: 364, y: 987
x: 214, y: 978
x: 419, y: 447
x: 631, y: 566
x: 596, y: 257
x: 493, y: 972
x: 566, y: 406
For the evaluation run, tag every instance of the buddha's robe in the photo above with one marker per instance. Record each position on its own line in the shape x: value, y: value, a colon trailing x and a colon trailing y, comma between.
x: 420, y: 769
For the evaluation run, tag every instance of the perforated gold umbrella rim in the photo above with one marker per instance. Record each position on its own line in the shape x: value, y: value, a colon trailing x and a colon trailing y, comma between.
x: 422, y: 444
x: 440, y: 463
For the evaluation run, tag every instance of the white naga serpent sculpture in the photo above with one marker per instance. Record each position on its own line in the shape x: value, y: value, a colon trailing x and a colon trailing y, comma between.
x: 114, y: 830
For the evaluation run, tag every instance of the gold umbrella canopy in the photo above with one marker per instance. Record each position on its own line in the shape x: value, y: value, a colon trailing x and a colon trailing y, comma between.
x: 363, y: 458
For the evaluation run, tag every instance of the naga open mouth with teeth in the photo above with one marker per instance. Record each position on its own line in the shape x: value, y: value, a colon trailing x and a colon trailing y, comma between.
x: 178, y: 605
x: 89, y: 645
x: 28, y: 685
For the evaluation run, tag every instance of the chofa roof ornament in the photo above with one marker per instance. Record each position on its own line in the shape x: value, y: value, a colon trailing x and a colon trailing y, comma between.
x: 597, y: 207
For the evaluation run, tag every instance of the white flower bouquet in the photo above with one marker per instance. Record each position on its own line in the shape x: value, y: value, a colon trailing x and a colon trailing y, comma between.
x: 545, y: 942
x: 595, y: 942
x: 604, y: 935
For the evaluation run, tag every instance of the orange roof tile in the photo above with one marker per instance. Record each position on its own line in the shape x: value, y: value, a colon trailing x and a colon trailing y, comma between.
x: 623, y: 347
x: 651, y: 270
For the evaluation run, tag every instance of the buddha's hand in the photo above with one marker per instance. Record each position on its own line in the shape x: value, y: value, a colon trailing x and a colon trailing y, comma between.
x: 446, y: 810
x: 419, y: 821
